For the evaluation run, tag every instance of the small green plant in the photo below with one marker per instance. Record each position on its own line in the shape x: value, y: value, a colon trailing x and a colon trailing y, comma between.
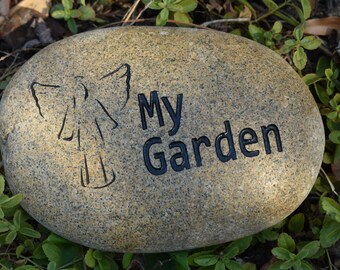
x: 223, y: 260
x: 174, y: 9
x: 330, y: 232
x: 298, y: 44
x: 100, y: 260
x: 267, y: 38
x: 326, y: 85
x: 66, y: 11
x: 288, y: 259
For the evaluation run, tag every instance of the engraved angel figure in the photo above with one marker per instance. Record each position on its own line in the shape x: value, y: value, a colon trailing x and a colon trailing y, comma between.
x: 87, y: 113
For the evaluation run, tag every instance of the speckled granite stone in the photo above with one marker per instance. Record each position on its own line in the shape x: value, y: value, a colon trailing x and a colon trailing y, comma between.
x: 234, y: 145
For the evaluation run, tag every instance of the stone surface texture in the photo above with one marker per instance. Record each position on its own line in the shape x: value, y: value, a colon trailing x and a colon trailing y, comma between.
x: 54, y: 154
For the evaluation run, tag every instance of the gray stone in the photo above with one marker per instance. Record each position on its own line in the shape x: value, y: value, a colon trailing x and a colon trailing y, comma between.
x: 237, y: 132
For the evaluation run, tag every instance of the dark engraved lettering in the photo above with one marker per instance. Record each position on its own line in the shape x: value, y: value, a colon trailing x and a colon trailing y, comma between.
x: 160, y: 156
x: 74, y: 102
x: 229, y: 136
x: 78, y: 138
x: 175, y: 116
x: 107, y: 183
x: 99, y: 130
x: 144, y: 105
x: 182, y: 155
x: 107, y: 113
x: 85, y: 180
x: 86, y: 91
x: 265, y: 131
x: 127, y: 74
x: 63, y: 124
x: 196, y: 146
x: 243, y: 142
x: 87, y: 176
x: 69, y: 138
x: 33, y: 92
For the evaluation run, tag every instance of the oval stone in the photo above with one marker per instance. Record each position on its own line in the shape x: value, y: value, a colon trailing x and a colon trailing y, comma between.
x: 158, y: 139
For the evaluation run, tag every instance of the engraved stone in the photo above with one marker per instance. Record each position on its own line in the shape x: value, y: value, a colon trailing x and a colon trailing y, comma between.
x: 157, y: 139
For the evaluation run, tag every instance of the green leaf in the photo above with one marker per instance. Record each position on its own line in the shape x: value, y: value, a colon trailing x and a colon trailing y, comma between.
x: 127, y: 258
x: 256, y: 33
x: 337, y: 153
x: 310, y: 43
x: 12, y: 201
x: 56, y: 239
x: 286, y: 241
x: 298, y: 32
x: 52, y: 252
x: 182, y: 17
x: 2, y: 184
x: 181, y: 260
x: 330, y: 206
x: 330, y: 233
x: 58, y: 14
x: 270, y: 235
x: 287, y: 264
x: 68, y: 4
x: 270, y: 4
x: 38, y: 253
x: 206, y: 260
x: 27, y: 267
x: 87, y: 13
x: 307, y: 9
x: 329, y: 73
x: 288, y: 46
x: 184, y: 6
x: 322, y: 65
x: 275, y: 266
x: 332, y: 116
x: 322, y: 95
x: 231, y: 252
x: 2, y: 214
x: 249, y: 266
x: 71, y: 23
x: 30, y: 232
x: 10, y: 237
x: 4, y: 226
x: 162, y: 17
x: 192, y: 257
x: 308, y: 250
x: 281, y: 253
x: 300, y: 58
x: 90, y: 260
x: 219, y: 266
x: 334, y: 136
x: 311, y: 78
x: 17, y: 219
x: 152, y: 4
x: 233, y: 265
x: 241, y: 244
x: 19, y: 250
x: 306, y: 266
x: 98, y: 255
x: 52, y: 266
x: 277, y: 27
x: 296, y: 223
x: 75, y: 13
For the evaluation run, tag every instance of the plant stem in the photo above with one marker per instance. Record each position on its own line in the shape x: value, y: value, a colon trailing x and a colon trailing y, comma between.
x: 271, y: 12
x: 329, y: 260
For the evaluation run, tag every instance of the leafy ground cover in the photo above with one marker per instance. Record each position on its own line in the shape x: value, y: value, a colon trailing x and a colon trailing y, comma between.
x: 301, y: 31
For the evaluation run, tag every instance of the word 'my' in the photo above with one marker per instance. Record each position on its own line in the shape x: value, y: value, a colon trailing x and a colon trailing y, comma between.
x: 180, y: 160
